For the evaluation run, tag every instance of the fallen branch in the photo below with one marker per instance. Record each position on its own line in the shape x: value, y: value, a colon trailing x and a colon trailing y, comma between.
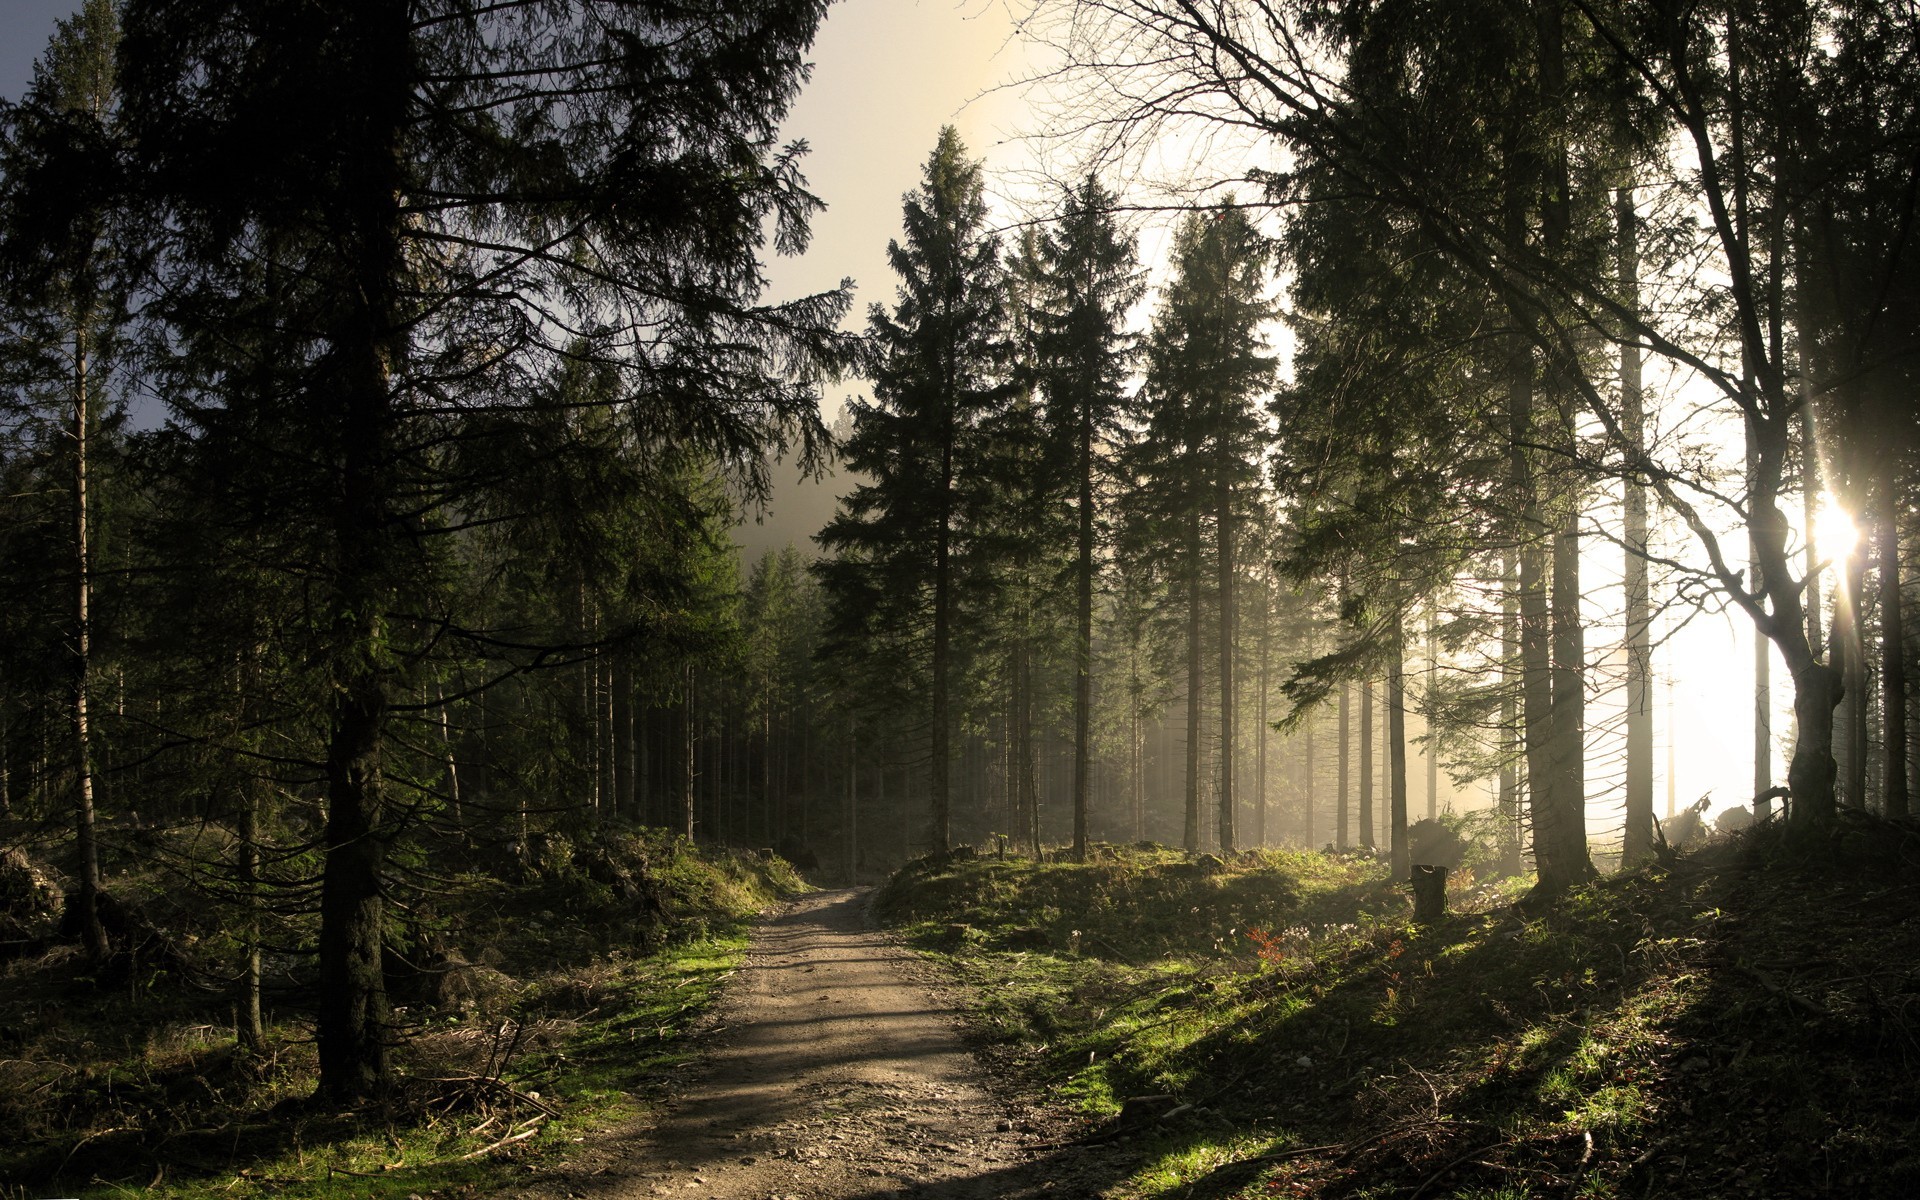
x: 1791, y: 997
x: 523, y: 1135
x: 495, y: 1084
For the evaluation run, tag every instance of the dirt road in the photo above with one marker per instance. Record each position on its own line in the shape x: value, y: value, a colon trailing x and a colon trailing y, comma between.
x: 836, y: 1074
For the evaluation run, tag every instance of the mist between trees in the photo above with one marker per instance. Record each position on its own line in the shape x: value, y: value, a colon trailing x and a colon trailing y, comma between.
x: 455, y: 312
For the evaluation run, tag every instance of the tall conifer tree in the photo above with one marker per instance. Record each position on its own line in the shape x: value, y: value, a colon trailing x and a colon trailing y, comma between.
x: 939, y: 369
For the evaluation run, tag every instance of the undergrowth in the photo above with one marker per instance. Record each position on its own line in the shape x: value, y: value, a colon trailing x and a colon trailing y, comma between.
x: 561, y: 1002
x: 1738, y: 1022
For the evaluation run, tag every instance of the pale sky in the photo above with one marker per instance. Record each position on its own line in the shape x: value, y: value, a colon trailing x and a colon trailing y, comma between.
x: 25, y: 28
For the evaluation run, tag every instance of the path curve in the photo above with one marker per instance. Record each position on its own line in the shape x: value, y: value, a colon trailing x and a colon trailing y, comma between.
x: 836, y: 1073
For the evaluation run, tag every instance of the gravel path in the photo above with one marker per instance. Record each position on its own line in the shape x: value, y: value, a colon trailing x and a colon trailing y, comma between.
x: 836, y: 1073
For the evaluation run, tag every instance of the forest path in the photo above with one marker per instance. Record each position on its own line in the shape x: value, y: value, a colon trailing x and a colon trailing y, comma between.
x: 834, y: 1073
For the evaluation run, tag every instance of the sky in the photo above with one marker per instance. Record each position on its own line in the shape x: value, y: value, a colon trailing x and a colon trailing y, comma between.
x: 25, y: 27
x: 887, y: 74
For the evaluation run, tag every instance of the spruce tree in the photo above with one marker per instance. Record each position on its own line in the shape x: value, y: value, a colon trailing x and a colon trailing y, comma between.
x: 938, y: 370
x: 1087, y: 282
x: 1196, y: 455
x: 365, y: 213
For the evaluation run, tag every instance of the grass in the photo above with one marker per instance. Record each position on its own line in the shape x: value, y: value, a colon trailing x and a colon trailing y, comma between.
x: 576, y: 1005
x: 1737, y: 1022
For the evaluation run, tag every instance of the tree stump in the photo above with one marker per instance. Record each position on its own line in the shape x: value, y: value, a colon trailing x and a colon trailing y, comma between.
x: 1429, y: 893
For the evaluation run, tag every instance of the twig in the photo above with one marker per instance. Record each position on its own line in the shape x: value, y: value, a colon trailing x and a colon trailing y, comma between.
x: 1435, y: 1177
x: 522, y: 1136
x: 1795, y: 998
x: 489, y: 1081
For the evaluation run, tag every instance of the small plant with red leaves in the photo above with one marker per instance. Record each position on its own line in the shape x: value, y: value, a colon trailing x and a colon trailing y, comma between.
x: 1268, y: 946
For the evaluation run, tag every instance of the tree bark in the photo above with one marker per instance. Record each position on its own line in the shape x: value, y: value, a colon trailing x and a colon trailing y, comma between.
x: 1559, y: 814
x: 940, y: 778
x: 352, y: 1018
x: 1342, y: 834
x: 680, y: 814
x: 86, y: 844
x: 1637, y: 841
x: 1262, y: 732
x: 1366, y: 765
x: 1224, y: 533
x: 1893, y: 646
x: 1195, y: 682
x: 1083, y: 633
x: 1397, y: 755
x: 1433, y: 740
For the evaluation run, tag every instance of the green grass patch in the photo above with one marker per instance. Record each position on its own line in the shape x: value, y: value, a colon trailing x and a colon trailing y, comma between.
x: 1681, y: 1030
x: 581, y: 989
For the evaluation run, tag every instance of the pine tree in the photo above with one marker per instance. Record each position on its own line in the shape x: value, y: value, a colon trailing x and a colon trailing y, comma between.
x: 1196, y: 454
x: 407, y: 238
x: 67, y: 271
x: 1086, y: 282
x: 938, y: 371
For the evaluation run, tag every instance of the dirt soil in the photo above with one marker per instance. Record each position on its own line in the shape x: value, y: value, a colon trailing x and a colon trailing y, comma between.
x: 836, y: 1070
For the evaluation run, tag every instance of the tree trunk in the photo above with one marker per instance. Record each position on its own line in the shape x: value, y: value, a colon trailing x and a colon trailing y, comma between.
x: 1637, y: 840
x: 1343, y: 837
x: 1366, y: 765
x: 853, y: 806
x: 1433, y: 739
x: 252, y: 1030
x: 1191, y: 839
x: 1893, y: 646
x: 1762, y: 649
x: 86, y: 845
x: 1397, y: 754
x: 680, y: 816
x: 1083, y: 635
x: 352, y: 1020
x: 1223, y: 528
x: 940, y: 780
x: 1306, y: 789
x: 1848, y: 645
x: 1261, y: 730
x: 1507, y: 799
x: 625, y: 760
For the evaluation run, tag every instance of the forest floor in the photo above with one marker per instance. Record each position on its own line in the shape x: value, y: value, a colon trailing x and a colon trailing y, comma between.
x: 835, y: 1068
x: 1740, y: 1021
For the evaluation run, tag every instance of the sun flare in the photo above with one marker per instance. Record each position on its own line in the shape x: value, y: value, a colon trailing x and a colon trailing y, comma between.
x: 1834, y: 532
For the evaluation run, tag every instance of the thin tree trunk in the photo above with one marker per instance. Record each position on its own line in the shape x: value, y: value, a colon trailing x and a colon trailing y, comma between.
x: 1637, y: 839
x: 853, y: 805
x: 1223, y: 526
x: 680, y: 819
x: 1306, y: 790
x: 447, y: 760
x: 1507, y: 799
x: 1433, y: 741
x: 86, y: 844
x: 252, y: 1028
x: 1191, y: 839
x: 1398, y: 851
x: 1893, y: 647
x: 1366, y: 765
x: 1262, y: 732
x: 940, y: 781
x: 1342, y: 834
x: 624, y: 759
x: 1083, y: 635
x: 1762, y: 649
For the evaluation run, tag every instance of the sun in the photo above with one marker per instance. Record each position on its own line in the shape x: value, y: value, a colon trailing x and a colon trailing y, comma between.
x: 1834, y: 532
